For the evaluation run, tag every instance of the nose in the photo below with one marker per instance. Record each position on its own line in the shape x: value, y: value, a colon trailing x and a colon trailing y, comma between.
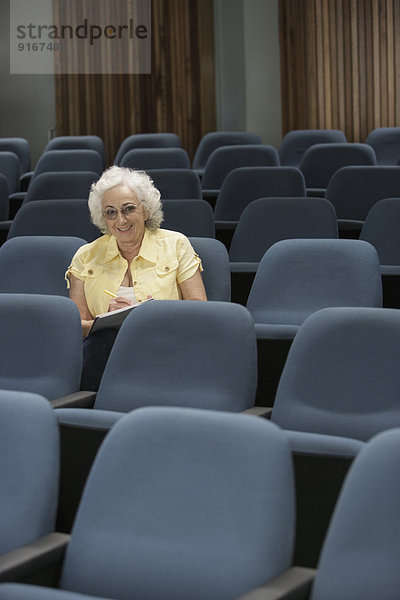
x: 121, y: 217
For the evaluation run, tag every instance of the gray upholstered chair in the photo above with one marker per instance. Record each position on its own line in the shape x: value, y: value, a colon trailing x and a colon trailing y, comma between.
x: 225, y: 159
x: 381, y: 228
x: 69, y: 160
x: 36, y: 264
x: 245, y: 184
x: 184, y: 502
x: 40, y: 344
x: 359, y: 558
x: 341, y: 378
x: 170, y: 353
x: 57, y: 217
x: 155, y: 158
x: 20, y: 146
x: 296, y: 142
x: 386, y: 144
x: 298, y: 277
x: 354, y: 190
x: 214, y: 139
x: 192, y: 217
x: 182, y: 184
x: 29, y: 468
x: 268, y: 220
x: 216, y: 272
x: 77, y: 142
x: 320, y: 161
x: 147, y: 140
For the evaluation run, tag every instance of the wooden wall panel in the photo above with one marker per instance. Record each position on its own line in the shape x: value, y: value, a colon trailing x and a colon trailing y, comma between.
x: 178, y: 96
x: 340, y: 65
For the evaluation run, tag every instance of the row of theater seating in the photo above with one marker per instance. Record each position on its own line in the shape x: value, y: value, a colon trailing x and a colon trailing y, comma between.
x: 385, y: 142
x: 262, y: 223
x: 353, y: 190
x: 294, y: 278
x: 318, y: 154
x: 200, y: 474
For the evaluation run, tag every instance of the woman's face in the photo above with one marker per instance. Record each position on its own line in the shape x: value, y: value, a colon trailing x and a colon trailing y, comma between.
x: 128, y: 227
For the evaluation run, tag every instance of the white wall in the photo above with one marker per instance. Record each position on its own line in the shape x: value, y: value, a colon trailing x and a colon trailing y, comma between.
x: 27, y: 102
x: 248, y: 67
x: 262, y: 69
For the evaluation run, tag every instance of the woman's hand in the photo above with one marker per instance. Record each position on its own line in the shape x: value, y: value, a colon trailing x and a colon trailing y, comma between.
x: 119, y: 302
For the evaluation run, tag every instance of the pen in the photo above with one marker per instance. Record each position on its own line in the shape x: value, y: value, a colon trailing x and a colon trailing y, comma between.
x: 110, y: 294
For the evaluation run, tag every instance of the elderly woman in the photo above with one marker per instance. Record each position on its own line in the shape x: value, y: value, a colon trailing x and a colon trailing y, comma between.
x: 134, y: 260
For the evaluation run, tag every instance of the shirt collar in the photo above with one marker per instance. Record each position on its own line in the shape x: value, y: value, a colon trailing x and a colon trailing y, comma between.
x: 148, y: 249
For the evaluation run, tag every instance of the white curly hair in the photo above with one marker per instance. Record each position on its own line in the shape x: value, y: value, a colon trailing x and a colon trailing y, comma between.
x: 139, y: 182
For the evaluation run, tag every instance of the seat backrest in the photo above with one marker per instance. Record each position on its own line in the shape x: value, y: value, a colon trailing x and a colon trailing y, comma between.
x: 61, y: 184
x: 296, y: 142
x: 320, y: 161
x: 268, y: 220
x: 386, y: 143
x: 36, y: 264
x: 40, y: 344
x: 354, y: 190
x: 216, y: 274
x: 176, y: 184
x: 147, y: 140
x: 4, y: 202
x: 382, y: 229
x: 191, y: 217
x: 29, y: 468
x: 245, y: 184
x: 69, y: 160
x: 212, y: 140
x: 77, y: 142
x: 156, y: 158
x: 298, y: 277
x: 226, y: 158
x: 190, y: 498
x: 206, y: 351
x: 341, y: 376
x: 54, y: 217
x: 9, y: 167
x: 360, y: 554
x: 20, y: 147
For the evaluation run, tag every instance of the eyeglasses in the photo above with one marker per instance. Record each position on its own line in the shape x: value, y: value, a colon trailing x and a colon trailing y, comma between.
x: 111, y: 213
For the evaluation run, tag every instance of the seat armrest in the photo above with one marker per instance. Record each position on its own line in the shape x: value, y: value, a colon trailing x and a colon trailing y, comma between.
x: 17, y: 197
x: 25, y: 562
x: 76, y: 400
x: 210, y: 193
x: 293, y: 584
x: 225, y: 224
x: 259, y: 411
x: 25, y: 180
x: 5, y: 225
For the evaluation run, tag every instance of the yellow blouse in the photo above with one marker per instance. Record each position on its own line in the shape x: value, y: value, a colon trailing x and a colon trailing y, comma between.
x: 165, y: 260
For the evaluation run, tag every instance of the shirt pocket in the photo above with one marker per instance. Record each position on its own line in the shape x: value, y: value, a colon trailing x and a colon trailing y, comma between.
x: 168, y: 269
x: 92, y: 271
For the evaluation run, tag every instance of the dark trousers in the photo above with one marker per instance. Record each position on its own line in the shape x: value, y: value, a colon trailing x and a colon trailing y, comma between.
x: 96, y: 350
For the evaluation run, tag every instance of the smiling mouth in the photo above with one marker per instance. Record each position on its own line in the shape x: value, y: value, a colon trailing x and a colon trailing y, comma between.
x: 125, y: 228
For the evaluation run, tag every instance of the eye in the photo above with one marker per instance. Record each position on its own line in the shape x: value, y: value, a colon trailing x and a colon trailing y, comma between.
x: 110, y: 213
x: 128, y: 210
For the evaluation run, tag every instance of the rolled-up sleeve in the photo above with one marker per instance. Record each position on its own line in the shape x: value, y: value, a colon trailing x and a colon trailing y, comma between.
x: 76, y: 268
x: 188, y: 260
